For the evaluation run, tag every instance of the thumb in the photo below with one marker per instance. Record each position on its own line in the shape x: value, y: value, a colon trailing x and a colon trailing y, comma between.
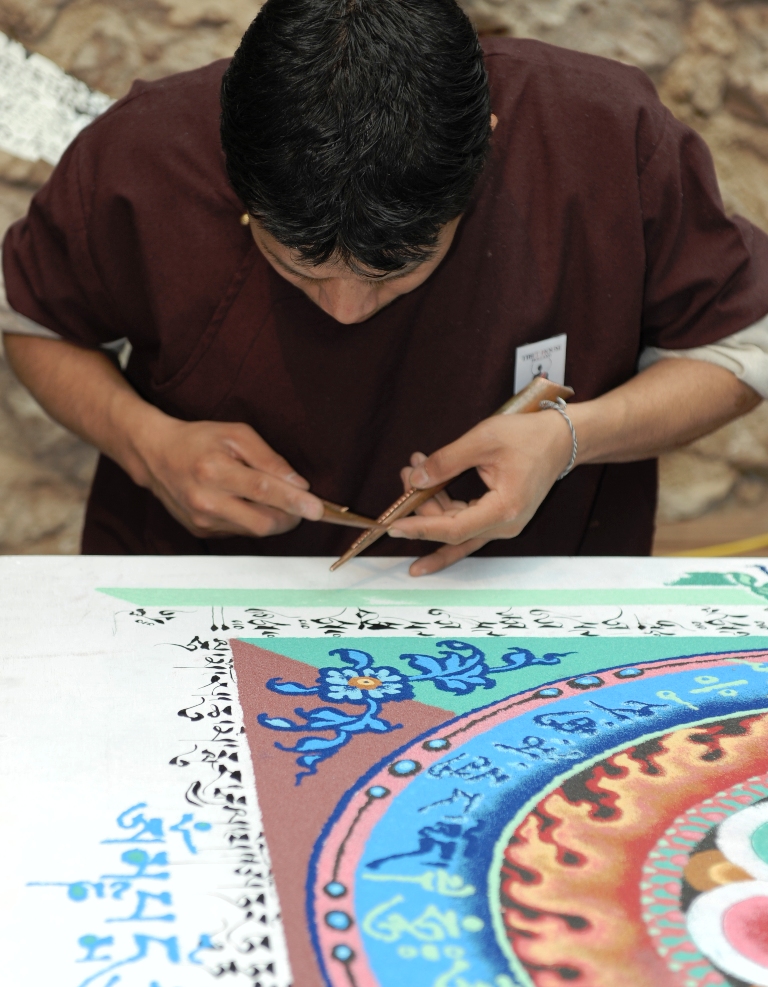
x: 445, y: 464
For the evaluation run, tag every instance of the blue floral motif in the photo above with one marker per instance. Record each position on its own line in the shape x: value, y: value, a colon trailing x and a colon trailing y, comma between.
x: 459, y: 668
x: 344, y: 726
x: 462, y: 668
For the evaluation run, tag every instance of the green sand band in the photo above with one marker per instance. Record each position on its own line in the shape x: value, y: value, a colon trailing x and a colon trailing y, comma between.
x: 719, y: 596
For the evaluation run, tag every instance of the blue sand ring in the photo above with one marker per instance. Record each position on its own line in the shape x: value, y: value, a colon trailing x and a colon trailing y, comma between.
x: 338, y: 920
x: 377, y: 792
x: 673, y: 697
x: 629, y: 673
x: 711, y: 683
x: 335, y: 889
x: 438, y: 744
x: 402, y: 769
x: 550, y: 693
x: 343, y: 953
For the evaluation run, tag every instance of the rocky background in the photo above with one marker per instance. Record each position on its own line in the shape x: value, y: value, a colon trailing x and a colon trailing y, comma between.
x: 710, y: 62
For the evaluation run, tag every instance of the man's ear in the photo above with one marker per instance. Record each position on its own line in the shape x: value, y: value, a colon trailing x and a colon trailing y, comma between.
x: 494, y: 121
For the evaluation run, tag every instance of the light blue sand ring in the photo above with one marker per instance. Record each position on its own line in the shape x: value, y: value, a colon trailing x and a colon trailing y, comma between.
x: 710, y: 683
x: 673, y: 697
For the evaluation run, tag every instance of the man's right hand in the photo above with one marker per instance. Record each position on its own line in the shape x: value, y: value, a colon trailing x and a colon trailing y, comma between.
x: 215, y: 478
x: 220, y: 479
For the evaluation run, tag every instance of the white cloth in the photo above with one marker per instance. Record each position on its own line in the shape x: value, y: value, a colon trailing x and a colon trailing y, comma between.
x: 745, y: 353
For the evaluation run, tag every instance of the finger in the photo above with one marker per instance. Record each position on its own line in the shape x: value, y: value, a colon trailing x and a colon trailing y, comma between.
x: 446, y: 502
x: 435, y: 505
x: 417, y: 458
x: 453, y: 529
x: 261, y: 488
x: 470, y: 450
x: 259, y: 526
x: 433, y: 509
x: 445, y: 556
x: 258, y: 520
x: 225, y: 516
x: 441, y: 503
x: 249, y: 446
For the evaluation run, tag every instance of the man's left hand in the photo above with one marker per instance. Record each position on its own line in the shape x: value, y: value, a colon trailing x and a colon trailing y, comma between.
x: 518, y: 458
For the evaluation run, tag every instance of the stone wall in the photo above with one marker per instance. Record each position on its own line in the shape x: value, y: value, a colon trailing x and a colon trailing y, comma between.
x: 109, y: 44
x: 709, y: 60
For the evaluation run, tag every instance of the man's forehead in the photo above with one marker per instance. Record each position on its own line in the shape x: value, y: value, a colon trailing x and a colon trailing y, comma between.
x: 335, y: 267
x: 292, y: 262
x: 338, y: 268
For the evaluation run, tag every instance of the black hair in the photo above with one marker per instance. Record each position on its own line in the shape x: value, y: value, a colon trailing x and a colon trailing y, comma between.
x: 355, y: 129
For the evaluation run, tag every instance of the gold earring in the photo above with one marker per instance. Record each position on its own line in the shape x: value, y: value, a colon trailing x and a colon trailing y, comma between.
x: 245, y: 219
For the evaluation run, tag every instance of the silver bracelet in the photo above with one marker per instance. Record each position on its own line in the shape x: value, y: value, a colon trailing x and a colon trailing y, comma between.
x: 560, y: 405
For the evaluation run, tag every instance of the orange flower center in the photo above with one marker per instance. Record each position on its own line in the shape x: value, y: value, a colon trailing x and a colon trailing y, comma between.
x: 364, y: 682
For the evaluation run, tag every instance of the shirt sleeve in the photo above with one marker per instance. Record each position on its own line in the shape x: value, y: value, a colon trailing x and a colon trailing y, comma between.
x: 50, y: 278
x: 706, y: 272
x: 20, y: 325
x: 745, y: 354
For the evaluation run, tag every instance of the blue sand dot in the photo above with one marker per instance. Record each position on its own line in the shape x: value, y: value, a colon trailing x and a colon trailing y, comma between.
x: 343, y: 953
x: 404, y: 768
x: 628, y: 673
x: 338, y: 920
x: 203, y: 827
x: 335, y: 889
x: 440, y: 744
x: 77, y: 892
x: 586, y: 681
x: 377, y: 792
x: 547, y: 693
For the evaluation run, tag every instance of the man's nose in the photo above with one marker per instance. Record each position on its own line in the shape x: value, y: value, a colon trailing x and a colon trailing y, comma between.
x: 348, y: 301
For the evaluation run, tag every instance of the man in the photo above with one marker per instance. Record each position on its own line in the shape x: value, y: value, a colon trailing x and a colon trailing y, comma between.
x: 416, y: 211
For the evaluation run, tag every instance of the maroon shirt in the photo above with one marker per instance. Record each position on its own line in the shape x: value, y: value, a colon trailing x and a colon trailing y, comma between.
x: 597, y: 215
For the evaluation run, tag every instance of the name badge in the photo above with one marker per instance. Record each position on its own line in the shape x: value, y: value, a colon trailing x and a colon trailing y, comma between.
x: 542, y: 359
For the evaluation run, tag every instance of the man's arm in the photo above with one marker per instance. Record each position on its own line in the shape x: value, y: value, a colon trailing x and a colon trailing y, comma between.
x: 216, y: 478
x: 744, y: 353
x: 520, y: 457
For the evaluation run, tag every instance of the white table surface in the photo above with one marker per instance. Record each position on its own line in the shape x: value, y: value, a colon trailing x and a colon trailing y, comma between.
x: 94, y: 667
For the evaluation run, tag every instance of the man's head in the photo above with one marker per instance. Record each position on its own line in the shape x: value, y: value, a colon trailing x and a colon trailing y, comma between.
x: 354, y: 130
